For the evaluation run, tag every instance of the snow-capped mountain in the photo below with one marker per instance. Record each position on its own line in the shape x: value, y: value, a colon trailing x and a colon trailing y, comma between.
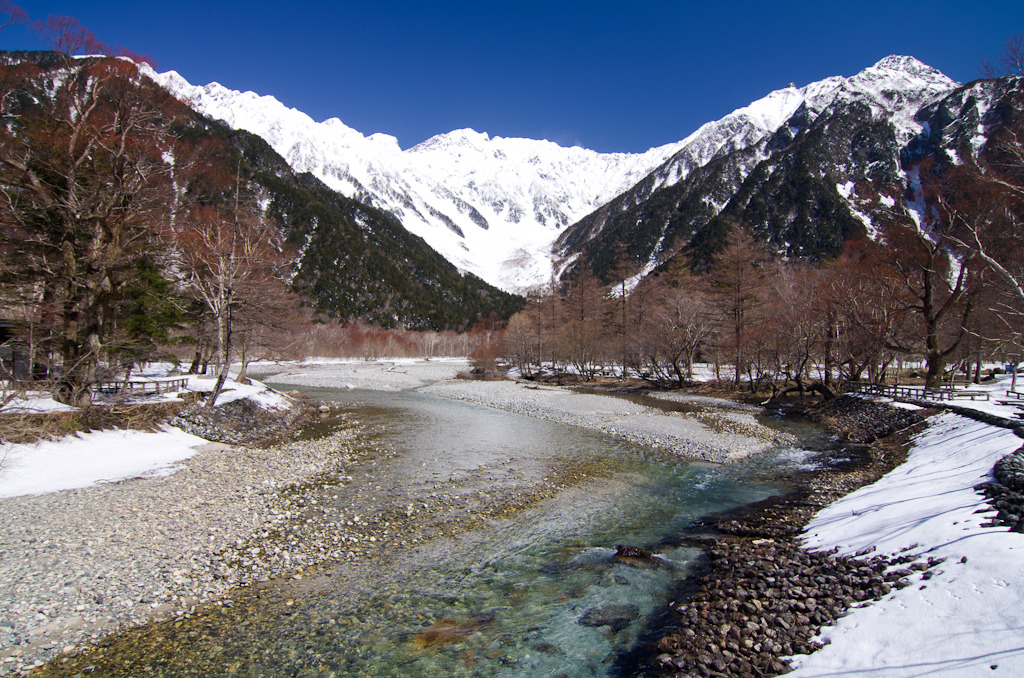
x: 491, y: 206
x: 787, y: 165
x: 497, y: 207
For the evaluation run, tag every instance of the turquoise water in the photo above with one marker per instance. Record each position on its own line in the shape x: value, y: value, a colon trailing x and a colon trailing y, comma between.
x: 538, y: 593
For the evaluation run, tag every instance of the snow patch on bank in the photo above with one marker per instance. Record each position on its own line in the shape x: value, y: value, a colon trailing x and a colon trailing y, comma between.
x: 966, y: 620
x: 86, y: 459
x: 90, y: 459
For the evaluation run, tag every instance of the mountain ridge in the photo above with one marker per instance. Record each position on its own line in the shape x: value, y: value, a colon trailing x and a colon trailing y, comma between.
x: 351, y: 262
x: 518, y: 212
x: 796, y: 211
x: 490, y: 205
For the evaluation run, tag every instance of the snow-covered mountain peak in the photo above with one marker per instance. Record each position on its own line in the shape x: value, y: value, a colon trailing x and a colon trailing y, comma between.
x: 490, y: 205
x: 461, y: 137
x: 494, y: 205
x: 902, y: 73
x: 868, y: 115
x: 896, y: 85
x: 910, y: 66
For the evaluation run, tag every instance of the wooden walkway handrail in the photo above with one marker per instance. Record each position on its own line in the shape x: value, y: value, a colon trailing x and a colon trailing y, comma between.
x: 916, y: 392
x: 144, y: 386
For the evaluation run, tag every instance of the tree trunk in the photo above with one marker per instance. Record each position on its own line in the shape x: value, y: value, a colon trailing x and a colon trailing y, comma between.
x: 224, y: 332
x: 936, y: 367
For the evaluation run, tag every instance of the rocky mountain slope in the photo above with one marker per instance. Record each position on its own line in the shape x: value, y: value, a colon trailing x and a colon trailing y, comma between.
x: 354, y: 261
x: 805, y: 168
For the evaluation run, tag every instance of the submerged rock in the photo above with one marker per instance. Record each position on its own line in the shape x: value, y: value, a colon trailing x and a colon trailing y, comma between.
x: 450, y: 632
x: 616, y: 617
x: 636, y: 557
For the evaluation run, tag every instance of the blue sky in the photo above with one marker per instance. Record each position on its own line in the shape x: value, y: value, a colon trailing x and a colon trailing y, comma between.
x: 611, y: 76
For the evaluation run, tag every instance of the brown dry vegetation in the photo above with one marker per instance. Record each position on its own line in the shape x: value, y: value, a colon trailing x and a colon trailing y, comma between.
x: 33, y: 427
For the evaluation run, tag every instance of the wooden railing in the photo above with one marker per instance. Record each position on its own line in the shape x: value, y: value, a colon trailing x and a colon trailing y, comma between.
x: 915, y: 392
x: 144, y: 386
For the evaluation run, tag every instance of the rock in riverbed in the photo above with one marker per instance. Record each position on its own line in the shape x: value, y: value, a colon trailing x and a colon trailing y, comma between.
x: 615, y: 617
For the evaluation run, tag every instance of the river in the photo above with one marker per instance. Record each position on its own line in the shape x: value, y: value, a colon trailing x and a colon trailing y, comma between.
x: 510, y: 572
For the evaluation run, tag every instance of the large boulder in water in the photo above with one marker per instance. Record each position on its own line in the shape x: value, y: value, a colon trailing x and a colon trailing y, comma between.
x: 616, y: 617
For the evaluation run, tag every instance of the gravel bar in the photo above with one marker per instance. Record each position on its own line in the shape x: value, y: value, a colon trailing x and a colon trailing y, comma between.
x: 78, y: 564
x: 724, y: 432
x: 707, y: 436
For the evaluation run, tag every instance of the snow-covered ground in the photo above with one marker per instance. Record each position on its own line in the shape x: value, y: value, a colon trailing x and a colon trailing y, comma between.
x: 107, y: 456
x: 967, y: 619
x: 91, y: 458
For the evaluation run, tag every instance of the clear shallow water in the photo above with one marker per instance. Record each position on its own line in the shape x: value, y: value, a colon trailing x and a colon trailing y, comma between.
x: 508, y: 600
x: 530, y: 592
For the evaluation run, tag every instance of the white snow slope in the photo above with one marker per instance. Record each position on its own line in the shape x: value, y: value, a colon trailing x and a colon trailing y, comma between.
x: 491, y: 206
x: 494, y: 206
x: 968, y: 618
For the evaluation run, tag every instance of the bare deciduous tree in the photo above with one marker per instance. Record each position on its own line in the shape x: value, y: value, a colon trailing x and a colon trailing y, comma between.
x: 1011, y: 61
x: 737, y: 285
x: 229, y: 260
x: 11, y: 14
x: 84, y: 191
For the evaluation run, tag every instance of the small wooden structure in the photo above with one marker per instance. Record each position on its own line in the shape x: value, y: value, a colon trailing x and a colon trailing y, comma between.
x: 144, y: 386
x: 915, y: 392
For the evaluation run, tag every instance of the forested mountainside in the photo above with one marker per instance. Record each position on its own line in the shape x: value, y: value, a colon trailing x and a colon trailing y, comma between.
x: 357, y: 263
x: 839, y: 164
x: 351, y: 262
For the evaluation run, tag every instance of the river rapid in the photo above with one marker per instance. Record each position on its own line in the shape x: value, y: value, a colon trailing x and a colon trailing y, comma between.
x: 492, y: 551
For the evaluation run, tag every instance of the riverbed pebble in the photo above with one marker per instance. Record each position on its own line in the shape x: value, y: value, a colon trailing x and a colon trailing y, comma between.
x: 77, y: 564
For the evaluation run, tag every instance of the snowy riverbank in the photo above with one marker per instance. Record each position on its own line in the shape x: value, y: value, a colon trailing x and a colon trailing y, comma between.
x: 154, y: 536
x: 108, y: 529
x: 966, y: 619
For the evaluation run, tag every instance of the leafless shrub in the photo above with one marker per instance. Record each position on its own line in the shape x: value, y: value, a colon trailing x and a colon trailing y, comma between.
x: 32, y: 427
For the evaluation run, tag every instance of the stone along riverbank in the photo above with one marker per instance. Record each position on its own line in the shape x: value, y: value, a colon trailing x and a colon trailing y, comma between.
x: 760, y: 596
x: 80, y: 563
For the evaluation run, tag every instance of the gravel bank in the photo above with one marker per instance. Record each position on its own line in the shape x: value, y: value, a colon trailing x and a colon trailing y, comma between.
x: 78, y: 564
x: 375, y: 376
x: 706, y: 436
x: 711, y: 435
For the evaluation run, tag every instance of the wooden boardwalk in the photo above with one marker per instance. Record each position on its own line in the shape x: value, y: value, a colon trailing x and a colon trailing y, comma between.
x: 916, y: 392
x: 144, y: 386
